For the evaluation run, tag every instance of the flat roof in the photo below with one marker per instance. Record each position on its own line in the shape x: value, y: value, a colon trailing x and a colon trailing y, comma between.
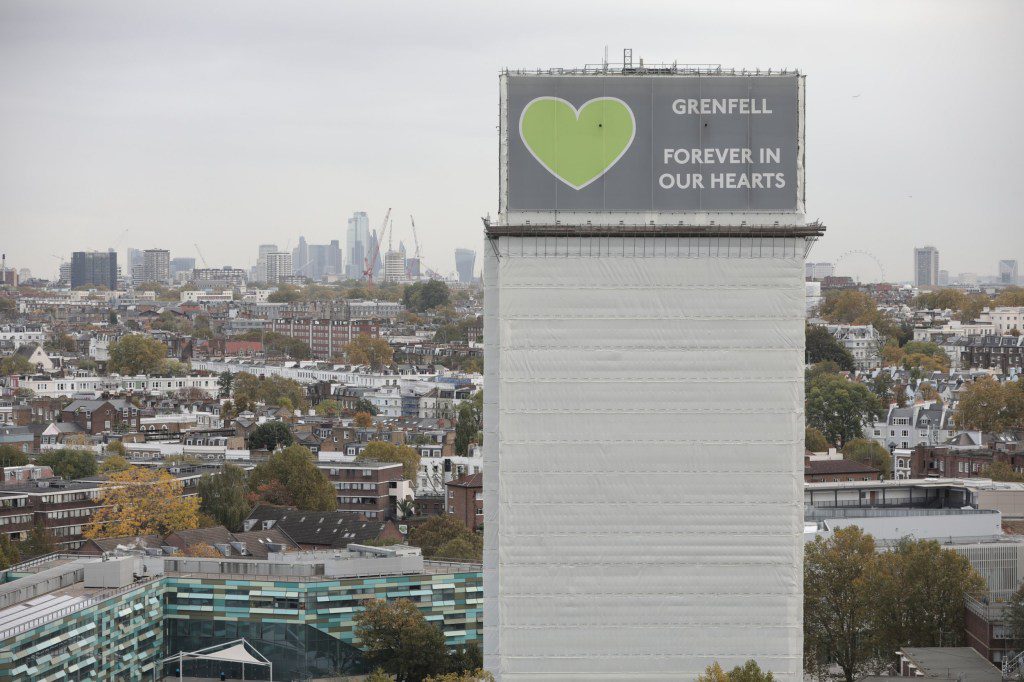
x: 951, y: 663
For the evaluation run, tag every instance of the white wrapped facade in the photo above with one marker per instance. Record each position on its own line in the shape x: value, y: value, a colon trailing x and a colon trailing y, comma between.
x: 643, y: 448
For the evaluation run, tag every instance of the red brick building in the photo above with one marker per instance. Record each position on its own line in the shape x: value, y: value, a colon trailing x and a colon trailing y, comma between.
x: 325, y: 337
x: 833, y: 470
x: 465, y: 500
x: 96, y: 416
x: 371, y: 489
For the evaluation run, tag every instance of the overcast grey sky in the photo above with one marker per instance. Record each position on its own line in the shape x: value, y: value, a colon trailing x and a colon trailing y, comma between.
x: 232, y: 124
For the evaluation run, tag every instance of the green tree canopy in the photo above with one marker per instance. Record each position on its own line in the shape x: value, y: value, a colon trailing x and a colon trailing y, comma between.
x: 291, y: 477
x: 822, y: 346
x: 270, y: 436
x: 840, y: 408
x: 271, y: 390
x: 223, y: 497
x: 137, y: 354
x: 16, y: 364
x: 869, y: 452
x: 114, y: 462
x: 986, y: 405
x: 68, y: 463
x: 423, y: 296
x: 815, y: 441
x: 396, y: 636
x: 364, y: 405
x: 329, y: 408
x: 11, y: 456
x: 382, y: 451
x: 9, y: 553
x: 469, y: 425
x: 445, y: 537
x: 363, y: 350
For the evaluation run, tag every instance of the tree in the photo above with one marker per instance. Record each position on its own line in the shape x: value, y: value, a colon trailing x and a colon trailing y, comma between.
x: 396, y: 637
x: 869, y: 452
x: 141, y: 501
x: 986, y: 405
x: 223, y: 497
x: 114, y: 463
x: 423, y: 296
x: 292, y: 474
x: 918, y: 590
x: 270, y: 436
x: 329, y: 408
x: 136, y: 354
x: 364, y: 350
x: 823, y: 346
x: 224, y: 380
x: 9, y: 554
x: 40, y: 541
x: 270, y: 390
x: 815, y: 441
x: 69, y: 464
x: 840, y: 408
x: 16, y: 364
x: 883, y: 386
x: 478, y: 675
x: 925, y: 356
x: 847, y: 307
x: 115, y: 447
x: 1014, y: 616
x: 1010, y: 296
x: 363, y: 420
x: 467, y: 427
x: 748, y: 672
x: 11, y: 456
x: 202, y: 549
x: 382, y: 451
x: 175, y: 368
x: 1002, y: 472
x: 8, y: 308
x: 837, y: 604
x: 445, y: 537
x: 364, y: 405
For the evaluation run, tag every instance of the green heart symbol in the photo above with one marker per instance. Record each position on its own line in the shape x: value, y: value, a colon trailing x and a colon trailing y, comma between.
x: 577, y: 147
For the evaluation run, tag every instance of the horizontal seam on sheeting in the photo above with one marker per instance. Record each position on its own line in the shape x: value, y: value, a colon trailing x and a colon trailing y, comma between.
x: 605, y: 503
x: 710, y: 410
x: 658, y: 379
x: 646, y: 626
x: 713, y: 654
x: 647, y: 442
x: 656, y: 318
x: 645, y: 533
x: 641, y: 287
x: 674, y: 349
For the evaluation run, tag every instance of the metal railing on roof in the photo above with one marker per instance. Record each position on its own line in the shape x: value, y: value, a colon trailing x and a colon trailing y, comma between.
x: 74, y: 608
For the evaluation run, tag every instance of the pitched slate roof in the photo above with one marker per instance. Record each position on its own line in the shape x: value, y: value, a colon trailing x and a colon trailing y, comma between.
x: 830, y: 467
x: 326, y: 529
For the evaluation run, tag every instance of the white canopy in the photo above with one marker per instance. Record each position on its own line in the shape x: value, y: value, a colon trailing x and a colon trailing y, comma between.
x: 236, y: 654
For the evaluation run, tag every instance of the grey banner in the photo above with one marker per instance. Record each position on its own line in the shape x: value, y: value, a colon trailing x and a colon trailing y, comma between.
x: 699, y: 143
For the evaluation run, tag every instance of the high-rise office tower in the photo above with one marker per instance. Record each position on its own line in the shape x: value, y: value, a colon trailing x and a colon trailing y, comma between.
x: 465, y: 262
x: 94, y: 269
x: 300, y: 258
x: 357, y: 241
x: 644, y: 358
x: 926, y: 266
x: 260, y: 274
x: 394, y: 266
x: 1008, y: 272
x: 279, y: 266
x: 182, y: 265
x: 156, y: 265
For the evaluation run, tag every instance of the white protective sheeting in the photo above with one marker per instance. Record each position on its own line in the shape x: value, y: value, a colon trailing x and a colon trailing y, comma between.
x: 644, y: 437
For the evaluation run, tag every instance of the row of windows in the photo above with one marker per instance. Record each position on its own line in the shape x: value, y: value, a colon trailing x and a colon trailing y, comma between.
x: 17, y: 518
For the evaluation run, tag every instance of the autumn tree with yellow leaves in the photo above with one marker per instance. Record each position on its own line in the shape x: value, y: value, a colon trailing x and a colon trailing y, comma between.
x: 140, y: 501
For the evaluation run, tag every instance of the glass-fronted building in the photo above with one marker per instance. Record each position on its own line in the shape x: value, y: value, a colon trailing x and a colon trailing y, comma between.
x: 299, y: 614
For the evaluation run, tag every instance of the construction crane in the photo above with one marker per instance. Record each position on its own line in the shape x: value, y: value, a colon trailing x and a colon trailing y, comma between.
x: 371, y: 264
x: 415, y: 239
x: 201, y: 256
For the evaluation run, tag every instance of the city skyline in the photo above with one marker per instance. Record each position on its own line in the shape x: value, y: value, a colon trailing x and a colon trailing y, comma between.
x: 268, y: 156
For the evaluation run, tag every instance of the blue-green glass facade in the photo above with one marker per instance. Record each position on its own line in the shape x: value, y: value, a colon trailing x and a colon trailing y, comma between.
x: 306, y: 627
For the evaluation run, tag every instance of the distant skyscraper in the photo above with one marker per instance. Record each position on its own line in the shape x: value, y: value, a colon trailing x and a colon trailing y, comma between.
x: 357, y: 241
x: 134, y: 258
x: 465, y: 262
x: 261, y: 261
x: 317, y: 261
x: 182, y: 265
x: 156, y: 265
x: 818, y: 270
x: 65, y: 273
x: 300, y: 258
x: 926, y: 266
x: 943, y: 278
x: 394, y: 266
x: 412, y: 267
x: 374, y: 255
x: 279, y: 266
x: 1007, y: 272
x: 94, y: 269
